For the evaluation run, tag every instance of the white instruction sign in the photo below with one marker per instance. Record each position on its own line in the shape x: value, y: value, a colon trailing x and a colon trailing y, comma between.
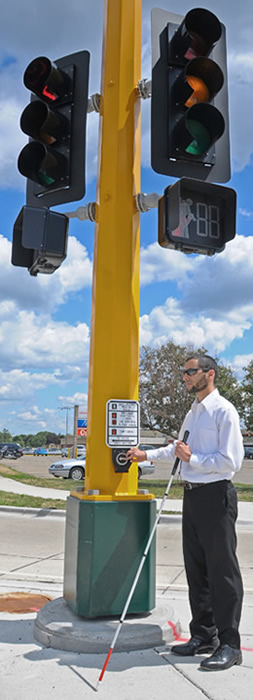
x: 122, y: 423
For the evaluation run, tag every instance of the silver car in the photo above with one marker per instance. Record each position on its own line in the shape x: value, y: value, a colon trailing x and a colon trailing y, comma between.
x: 68, y: 469
x: 75, y: 468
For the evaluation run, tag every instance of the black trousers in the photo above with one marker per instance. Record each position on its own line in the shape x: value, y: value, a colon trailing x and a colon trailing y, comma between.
x: 213, y: 574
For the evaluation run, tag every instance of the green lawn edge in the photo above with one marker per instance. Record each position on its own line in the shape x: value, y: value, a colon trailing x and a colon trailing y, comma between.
x: 154, y: 486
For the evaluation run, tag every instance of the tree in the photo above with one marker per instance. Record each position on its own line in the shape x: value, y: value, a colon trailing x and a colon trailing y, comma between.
x: 247, y: 388
x: 229, y: 387
x: 5, y: 436
x: 164, y: 400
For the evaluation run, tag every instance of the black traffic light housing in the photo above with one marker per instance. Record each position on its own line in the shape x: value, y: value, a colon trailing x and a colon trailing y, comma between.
x: 189, y: 107
x: 39, y: 240
x: 196, y: 217
x: 55, y: 120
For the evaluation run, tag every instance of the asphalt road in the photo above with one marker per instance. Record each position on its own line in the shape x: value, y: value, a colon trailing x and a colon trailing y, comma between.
x: 38, y: 466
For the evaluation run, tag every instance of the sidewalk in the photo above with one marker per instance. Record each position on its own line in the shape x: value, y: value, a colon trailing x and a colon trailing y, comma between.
x: 12, y: 486
x: 245, y: 510
x: 29, y: 671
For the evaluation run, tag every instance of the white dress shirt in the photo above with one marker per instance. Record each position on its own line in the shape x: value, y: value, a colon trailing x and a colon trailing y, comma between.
x: 215, y: 441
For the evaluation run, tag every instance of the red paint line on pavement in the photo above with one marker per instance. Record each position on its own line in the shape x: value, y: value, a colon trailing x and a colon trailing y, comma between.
x: 176, y: 635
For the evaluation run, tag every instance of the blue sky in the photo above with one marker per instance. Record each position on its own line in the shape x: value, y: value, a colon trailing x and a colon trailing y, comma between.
x: 45, y: 321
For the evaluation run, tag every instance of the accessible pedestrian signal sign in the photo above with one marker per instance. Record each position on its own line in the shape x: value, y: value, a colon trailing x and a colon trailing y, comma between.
x: 122, y: 423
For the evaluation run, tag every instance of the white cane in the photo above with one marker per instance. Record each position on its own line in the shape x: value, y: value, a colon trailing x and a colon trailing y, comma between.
x: 142, y: 562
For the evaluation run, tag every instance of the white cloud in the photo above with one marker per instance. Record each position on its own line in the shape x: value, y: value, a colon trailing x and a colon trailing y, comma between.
x: 31, y: 341
x: 78, y: 399
x: 245, y: 212
x: 18, y: 384
x: 160, y: 264
x: 44, y: 292
x: 170, y: 322
x: 224, y: 283
x: 216, y: 306
x: 33, y: 415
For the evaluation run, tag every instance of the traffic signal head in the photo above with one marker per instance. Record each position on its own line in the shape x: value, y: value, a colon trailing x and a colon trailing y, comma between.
x: 196, y: 217
x: 39, y: 240
x: 54, y: 159
x: 189, y: 113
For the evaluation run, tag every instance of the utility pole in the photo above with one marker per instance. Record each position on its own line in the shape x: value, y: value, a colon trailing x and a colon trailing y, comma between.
x: 76, y: 409
x: 67, y: 409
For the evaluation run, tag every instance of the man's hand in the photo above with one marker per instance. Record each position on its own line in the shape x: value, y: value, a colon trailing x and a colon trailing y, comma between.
x: 136, y: 455
x: 183, y: 451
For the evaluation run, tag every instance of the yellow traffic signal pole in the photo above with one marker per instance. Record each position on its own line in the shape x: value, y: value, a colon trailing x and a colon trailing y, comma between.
x: 108, y: 523
x: 114, y: 350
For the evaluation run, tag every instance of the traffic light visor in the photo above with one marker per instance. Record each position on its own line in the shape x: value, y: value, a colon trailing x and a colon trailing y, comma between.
x: 46, y: 81
x: 40, y: 165
x: 200, y: 127
x: 196, y: 35
x: 40, y: 122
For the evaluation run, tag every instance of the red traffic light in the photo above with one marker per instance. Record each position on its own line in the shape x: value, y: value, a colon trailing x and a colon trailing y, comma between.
x: 45, y: 80
x: 195, y: 36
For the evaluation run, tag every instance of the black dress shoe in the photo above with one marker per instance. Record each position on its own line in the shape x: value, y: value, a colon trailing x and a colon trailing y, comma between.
x: 196, y: 646
x: 224, y: 657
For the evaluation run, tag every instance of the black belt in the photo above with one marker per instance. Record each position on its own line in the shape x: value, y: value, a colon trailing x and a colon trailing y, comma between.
x: 192, y: 485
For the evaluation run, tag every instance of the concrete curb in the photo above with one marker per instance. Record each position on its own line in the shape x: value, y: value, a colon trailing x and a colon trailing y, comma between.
x: 32, y: 511
x: 173, y: 518
x: 58, y: 627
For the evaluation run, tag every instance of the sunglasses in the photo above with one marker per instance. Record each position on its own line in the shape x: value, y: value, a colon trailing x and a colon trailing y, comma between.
x: 193, y: 370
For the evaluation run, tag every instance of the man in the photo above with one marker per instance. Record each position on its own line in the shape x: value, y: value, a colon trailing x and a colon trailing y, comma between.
x: 208, y: 463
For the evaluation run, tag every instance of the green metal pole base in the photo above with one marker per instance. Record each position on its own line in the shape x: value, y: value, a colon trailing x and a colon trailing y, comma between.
x: 104, y: 543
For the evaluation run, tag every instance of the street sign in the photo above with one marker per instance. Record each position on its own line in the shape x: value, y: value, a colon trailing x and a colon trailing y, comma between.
x: 81, y: 432
x: 122, y: 423
x: 82, y: 423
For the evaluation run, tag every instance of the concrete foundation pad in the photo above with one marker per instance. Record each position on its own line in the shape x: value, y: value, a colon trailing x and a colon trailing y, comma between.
x: 58, y: 627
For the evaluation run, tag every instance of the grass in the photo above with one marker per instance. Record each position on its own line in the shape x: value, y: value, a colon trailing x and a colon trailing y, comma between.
x: 50, y: 483
x: 19, y: 500
x: 244, y: 491
x: 157, y: 487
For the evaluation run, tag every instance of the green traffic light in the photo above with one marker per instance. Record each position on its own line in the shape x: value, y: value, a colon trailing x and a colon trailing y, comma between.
x: 46, y: 167
x: 202, y: 139
x: 44, y: 179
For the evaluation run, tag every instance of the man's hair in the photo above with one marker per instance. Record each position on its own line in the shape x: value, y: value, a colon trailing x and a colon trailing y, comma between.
x: 205, y: 362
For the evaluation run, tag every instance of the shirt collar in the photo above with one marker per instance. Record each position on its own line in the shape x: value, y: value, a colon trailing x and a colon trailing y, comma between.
x: 209, y: 401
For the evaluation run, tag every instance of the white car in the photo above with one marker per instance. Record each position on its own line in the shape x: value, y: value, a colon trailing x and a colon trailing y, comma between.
x: 68, y: 469
x: 75, y: 468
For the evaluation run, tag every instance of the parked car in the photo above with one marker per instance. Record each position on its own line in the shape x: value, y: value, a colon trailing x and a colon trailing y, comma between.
x: 54, y: 451
x: 75, y: 468
x: 68, y: 469
x: 10, y: 450
x: 68, y: 451
x: 146, y: 447
x: 248, y: 452
x: 40, y: 451
x: 64, y: 451
x: 146, y: 467
x: 28, y: 450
